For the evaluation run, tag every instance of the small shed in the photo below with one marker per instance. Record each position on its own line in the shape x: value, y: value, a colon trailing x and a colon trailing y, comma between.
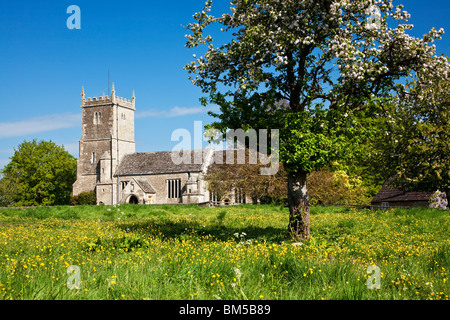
x: 389, y: 196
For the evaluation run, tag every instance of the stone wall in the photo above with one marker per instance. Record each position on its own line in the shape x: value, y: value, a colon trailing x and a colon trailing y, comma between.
x: 105, y: 194
x: 160, y: 186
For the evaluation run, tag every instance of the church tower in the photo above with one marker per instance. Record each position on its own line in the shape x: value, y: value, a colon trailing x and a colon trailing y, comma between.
x: 107, y: 136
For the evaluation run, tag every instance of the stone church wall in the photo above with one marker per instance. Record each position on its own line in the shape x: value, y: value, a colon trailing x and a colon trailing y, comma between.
x: 159, y: 183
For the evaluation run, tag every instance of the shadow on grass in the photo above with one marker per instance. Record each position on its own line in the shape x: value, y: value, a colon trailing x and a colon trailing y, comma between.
x: 217, y: 231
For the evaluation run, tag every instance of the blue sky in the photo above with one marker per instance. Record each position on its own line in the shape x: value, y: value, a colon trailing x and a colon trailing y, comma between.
x: 44, y: 64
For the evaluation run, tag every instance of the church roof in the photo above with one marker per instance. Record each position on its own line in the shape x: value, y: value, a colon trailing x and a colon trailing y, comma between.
x: 159, y: 162
x: 145, y: 186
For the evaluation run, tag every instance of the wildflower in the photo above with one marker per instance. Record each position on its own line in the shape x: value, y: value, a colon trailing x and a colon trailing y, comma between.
x: 237, y: 272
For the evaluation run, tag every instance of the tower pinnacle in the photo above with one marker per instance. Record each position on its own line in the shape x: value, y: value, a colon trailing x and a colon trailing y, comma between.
x: 113, y: 93
x: 82, y: 95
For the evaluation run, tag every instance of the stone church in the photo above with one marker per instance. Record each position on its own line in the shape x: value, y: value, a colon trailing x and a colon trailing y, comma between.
x: 109, y: 164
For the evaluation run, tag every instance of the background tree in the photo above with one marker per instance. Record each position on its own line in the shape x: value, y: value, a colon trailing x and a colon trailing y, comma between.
x: 324, y: 58
x: 7, y: 191
x: 326, y: 187
x: 415, y: 143
x: 224, y: 179
x: 42, y: 174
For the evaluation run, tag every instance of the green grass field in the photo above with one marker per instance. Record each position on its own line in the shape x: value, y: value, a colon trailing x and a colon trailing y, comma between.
x: 241, y: 252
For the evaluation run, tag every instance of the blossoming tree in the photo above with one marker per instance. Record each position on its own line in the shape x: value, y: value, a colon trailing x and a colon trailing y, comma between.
x: 330, y: 63
x: 416, y: 143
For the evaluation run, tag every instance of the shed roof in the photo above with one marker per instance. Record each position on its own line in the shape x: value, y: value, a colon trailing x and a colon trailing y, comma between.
x: 388, y: 193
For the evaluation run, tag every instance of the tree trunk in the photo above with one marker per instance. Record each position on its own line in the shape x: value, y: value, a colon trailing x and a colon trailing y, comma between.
x: 298, y: 202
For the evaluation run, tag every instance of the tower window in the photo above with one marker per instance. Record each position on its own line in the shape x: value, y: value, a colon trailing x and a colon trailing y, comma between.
x: 93, y: 157
x: 97, y: 118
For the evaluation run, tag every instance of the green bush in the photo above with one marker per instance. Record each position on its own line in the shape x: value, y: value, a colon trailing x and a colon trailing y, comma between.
x: 327, y: 187
x: 84, y: 198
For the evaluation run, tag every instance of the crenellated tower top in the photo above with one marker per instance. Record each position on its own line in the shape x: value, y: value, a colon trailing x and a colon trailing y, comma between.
x: 104, y: 99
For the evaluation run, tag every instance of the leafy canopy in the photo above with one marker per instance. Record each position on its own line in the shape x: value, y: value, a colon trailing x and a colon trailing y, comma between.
x: 415, y: 143
x: 322, y: 58
x: 42, y: 174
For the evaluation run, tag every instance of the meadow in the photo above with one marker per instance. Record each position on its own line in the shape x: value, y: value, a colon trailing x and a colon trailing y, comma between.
x: 240, y: 252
